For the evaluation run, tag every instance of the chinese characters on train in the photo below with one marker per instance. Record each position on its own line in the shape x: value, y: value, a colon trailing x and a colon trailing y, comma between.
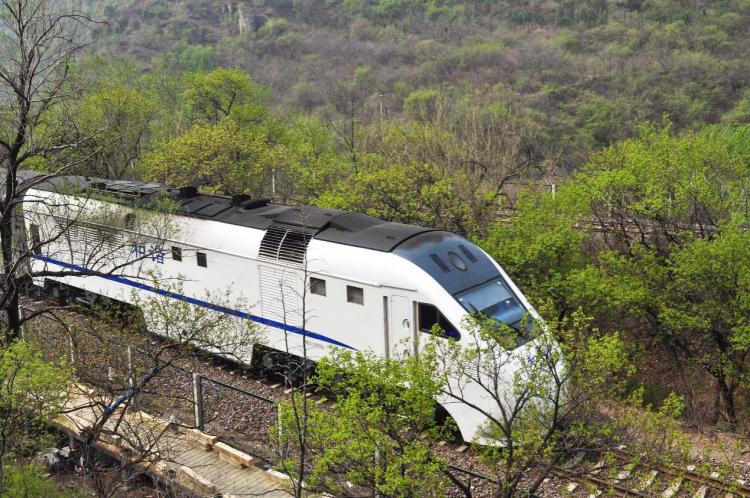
x: 156, y: 253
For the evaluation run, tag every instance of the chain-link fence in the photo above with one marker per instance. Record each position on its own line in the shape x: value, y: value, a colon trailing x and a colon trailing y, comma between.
x: 238, y: 417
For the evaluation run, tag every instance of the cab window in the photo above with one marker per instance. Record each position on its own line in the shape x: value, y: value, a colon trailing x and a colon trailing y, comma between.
x: 428, y: 316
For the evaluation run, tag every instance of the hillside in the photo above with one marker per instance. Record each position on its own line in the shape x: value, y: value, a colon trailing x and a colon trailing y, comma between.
x: 579, y: 74
x: 598, y: 151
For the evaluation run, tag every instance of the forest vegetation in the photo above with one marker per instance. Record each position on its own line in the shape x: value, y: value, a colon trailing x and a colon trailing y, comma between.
x: 579, y: 75
x: 598, y: 149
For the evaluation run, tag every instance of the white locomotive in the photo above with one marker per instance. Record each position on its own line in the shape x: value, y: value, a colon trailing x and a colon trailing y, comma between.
x: 365, y: 283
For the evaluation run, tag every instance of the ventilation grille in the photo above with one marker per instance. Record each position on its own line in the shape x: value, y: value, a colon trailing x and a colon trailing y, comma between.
x: 90, y: 237
x: 281, y: 244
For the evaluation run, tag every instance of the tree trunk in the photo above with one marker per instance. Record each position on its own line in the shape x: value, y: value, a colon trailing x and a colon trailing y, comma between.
x: 727, y: 394
x: 11, y: 305
x: 717, y: 406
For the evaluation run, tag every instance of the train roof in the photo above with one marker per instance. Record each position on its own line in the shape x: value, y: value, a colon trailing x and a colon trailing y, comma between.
x: 330, y: 225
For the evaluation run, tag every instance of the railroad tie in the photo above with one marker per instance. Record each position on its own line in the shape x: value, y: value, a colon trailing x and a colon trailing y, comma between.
x: 597, y: 468
x: 647, y: 481
x: 596, y: 494
x: 673, y: 488
x: 573, y: 462
x: 572, y: 486
x: 702, y: 492
x: 623, y: 474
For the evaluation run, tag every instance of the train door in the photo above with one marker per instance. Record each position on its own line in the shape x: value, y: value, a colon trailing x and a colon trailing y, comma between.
x: 400, y: 323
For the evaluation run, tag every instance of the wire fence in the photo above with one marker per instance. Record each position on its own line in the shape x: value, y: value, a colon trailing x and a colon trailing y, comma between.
x: 238, y: 417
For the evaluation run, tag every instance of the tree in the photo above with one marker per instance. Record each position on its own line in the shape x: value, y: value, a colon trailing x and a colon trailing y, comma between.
x: 543, y: 247
x: 39, y: 42
x: 422, y: 104
x: 624, y: 237
x: 117, y: 118
x: 291, y: 433
x: 705, y: 308
x: 544, y: 391
x: 348, y: 97
x: 32, y: 392
x: 224, y: 157
x: 212, y: 96
x: 449, y: 173
x: 377, y: 435
x: 127, y: 372
x: 741, y: 112
x: 405, y: 193
x: 311, y: 162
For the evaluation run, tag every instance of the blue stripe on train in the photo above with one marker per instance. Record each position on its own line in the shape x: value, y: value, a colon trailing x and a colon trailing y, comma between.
x: 199, y: 302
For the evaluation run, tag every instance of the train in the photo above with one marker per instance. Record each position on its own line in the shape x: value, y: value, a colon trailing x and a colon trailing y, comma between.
x: 307, y: 276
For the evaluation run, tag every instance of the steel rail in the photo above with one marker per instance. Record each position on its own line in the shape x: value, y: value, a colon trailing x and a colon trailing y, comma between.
x: 735, y: 488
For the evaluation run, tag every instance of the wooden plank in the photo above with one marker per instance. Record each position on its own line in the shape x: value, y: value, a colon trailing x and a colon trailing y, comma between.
x: 198, y: 468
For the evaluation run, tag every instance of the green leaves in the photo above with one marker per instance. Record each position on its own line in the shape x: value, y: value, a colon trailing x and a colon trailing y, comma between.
x: 224, y: 157
x: 32, y: 392
x: 379, y: 429
x: 117, y: 119
x: 223, y: 92
x: 33, y: 481
x: 407, y: 193
x: 650, y: 238
x: 709, y: 289
x: 29, y: 383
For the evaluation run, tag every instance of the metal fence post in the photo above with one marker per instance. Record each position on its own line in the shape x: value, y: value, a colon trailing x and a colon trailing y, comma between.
x: 131, y: 380
x: 22, y: 316
x: 72, y: 347
x: 198, y: 400
x: 280, y: 433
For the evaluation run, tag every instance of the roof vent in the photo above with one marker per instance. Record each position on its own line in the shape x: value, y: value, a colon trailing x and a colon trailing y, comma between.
x: 239, y: 199
x: 282, y: 244
x: 188, y: 192
x: 255, y: 203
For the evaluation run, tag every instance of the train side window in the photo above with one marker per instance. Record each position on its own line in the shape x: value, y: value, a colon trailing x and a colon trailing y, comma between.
x: 355, y: 295
x: 177, y: 253
x: 202, y: 261
x: 317, y: 286
x: 36, y: 239
x: 428, y: 316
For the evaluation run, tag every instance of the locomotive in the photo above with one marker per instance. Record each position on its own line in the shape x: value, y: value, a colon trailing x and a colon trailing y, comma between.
x: 334, y: 278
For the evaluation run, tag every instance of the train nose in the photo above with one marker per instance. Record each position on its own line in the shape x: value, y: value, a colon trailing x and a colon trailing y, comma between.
x: 530, y: 384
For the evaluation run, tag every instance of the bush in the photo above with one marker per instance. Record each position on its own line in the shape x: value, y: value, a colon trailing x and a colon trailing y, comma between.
x: 29, y: 481
x: 422, y: 104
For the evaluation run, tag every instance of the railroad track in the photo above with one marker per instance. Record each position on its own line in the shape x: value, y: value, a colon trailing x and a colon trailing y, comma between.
x: 646, y: 480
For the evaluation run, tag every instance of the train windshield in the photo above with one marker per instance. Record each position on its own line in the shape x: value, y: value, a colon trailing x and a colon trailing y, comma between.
x: 493, y: 299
